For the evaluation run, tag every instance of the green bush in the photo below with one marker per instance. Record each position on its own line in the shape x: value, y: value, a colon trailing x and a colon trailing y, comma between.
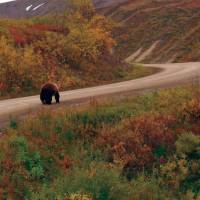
x: 188, y: 145
x: 97, y: 180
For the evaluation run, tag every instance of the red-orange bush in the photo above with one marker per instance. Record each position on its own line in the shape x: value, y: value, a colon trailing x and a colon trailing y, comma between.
x: 139, y: 142
x: 24, y: 35
x: 156, y: 129
x: 191, y: 110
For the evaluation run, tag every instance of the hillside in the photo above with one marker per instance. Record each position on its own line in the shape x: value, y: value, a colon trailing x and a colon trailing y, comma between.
x: 143, y: 148
x: 157, y: 31
x: 31, y: 8
x: 59, y: 49
x: 74, y: 50
x: 148, y: 30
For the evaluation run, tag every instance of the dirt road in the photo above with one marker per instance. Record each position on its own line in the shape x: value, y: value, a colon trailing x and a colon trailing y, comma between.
x: 172, y: 74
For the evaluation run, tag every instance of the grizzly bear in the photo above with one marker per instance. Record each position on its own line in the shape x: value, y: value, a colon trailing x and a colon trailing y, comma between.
x: 48, y: 90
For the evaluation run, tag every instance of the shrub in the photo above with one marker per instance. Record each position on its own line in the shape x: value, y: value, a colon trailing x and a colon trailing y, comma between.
x: 101, y: 183
x: 19, y: 146
x: 139, y: 142
x: 182, y: 172
x: 188, y: 145
x: 13, y: 123
x: 191, y: 110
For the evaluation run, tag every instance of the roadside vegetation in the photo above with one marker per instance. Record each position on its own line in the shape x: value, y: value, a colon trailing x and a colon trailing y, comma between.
x: 141, y: 148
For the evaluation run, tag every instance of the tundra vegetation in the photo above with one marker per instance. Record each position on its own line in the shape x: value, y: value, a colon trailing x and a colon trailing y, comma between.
x: 174, y: 24
x: 141, y: 148
x: 73, y: 49
x: 147, y: 147
x: 65, y: 48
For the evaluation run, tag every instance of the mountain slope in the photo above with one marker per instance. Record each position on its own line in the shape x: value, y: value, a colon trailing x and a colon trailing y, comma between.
x: 30, y: 8
x: 157, y: 30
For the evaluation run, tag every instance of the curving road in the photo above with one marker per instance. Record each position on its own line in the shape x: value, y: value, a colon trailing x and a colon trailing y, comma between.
x: 172, y: 74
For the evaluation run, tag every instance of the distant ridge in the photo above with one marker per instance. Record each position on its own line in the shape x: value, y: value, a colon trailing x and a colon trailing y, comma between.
x: 31, y: 8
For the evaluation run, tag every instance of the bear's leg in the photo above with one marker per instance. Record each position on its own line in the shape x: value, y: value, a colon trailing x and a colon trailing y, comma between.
x: 48, y: 96
x: 42, y: 98
x: 57, y: 97
x: 49, y: 101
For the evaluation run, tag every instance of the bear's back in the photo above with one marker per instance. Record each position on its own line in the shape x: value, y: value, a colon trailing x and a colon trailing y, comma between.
x: 50, y: 86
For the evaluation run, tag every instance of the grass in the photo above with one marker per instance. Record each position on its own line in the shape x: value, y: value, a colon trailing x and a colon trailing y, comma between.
x: 137, y: 71
x: 91, y: 152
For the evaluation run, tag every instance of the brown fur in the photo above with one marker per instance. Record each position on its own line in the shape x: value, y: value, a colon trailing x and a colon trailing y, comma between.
x: 48, y: 90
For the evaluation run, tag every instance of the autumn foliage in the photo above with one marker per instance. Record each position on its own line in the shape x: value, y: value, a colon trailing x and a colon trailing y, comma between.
x: 133, y: 149
x: 62, y: 49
